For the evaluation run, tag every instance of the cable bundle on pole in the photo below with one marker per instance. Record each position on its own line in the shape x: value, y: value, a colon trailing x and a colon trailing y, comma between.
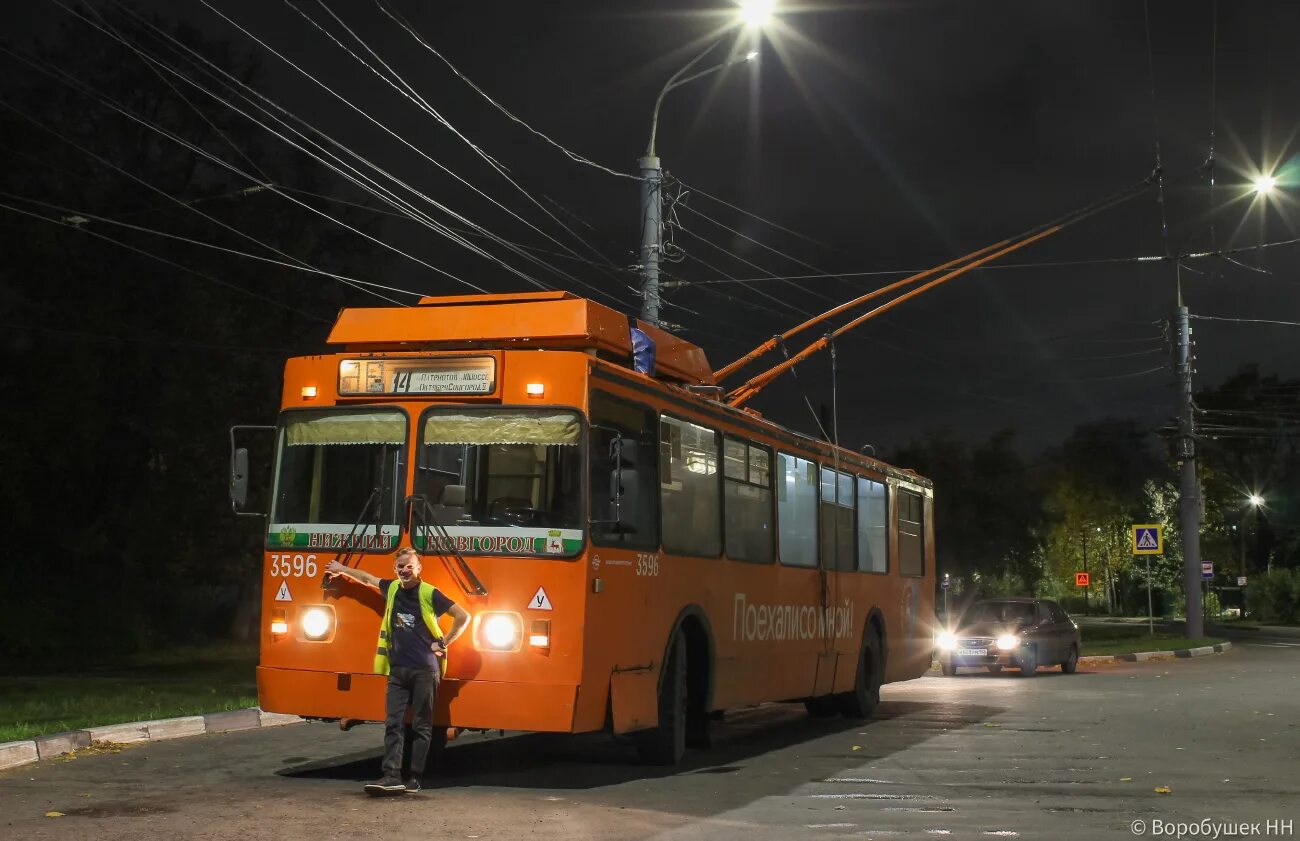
x: 966, y: 263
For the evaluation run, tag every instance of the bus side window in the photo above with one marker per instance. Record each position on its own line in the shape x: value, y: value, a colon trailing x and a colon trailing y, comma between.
x: 623, y: 479
x: 690, y: 490
x: 911, y: 532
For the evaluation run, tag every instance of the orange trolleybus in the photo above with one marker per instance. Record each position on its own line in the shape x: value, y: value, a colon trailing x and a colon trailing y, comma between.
x: 636, y: 554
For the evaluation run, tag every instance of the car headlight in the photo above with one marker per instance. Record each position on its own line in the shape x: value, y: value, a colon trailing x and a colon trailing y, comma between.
x: 947, y: 641
x: 1008, y: 641
x: 499, y: 631
x: 317, y: 622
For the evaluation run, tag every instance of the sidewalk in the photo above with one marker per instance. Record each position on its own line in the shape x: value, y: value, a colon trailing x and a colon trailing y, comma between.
x: 13, y: 754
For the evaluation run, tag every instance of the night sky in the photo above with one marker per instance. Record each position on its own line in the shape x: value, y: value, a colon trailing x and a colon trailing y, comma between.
x: 897, y: 135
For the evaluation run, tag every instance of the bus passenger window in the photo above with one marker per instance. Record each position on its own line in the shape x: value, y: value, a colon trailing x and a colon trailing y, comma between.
x: 837, y: 531
x: 747, y: 473
x: 689, y: 492
x: 911, y: 533
x: 796, y: 510
x: 873, y: 526
x: 623, y: 479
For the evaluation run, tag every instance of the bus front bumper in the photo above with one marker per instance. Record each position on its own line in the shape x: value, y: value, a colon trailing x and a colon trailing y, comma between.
x: 491, y: 705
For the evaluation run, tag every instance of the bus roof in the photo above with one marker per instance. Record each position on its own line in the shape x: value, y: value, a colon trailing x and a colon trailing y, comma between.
x: 549, y: 320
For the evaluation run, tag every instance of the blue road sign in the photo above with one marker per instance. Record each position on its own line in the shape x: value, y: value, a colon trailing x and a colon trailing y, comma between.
x: 1148, y: 540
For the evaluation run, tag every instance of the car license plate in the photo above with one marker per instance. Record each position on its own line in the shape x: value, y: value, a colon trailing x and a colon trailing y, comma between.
x: 972, y: 652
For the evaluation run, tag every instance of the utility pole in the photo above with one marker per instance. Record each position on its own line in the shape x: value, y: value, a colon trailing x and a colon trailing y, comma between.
x: 651, y: 231
x: 1087, y: 602
x: 1190, y: 491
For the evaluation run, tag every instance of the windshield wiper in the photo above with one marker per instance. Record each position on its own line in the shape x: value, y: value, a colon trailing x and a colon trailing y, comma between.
x: 349, y: 549
x: 422, y: 512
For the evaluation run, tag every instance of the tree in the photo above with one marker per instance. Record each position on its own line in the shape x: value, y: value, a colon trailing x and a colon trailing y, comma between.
x: 1096, y: 488
x: 987, y: 513
x: 125, y: 372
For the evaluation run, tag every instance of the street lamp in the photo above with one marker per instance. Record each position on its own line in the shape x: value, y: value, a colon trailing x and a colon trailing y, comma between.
x: 757, y: 13
x: 1264, y: 185
x: 753, y: 14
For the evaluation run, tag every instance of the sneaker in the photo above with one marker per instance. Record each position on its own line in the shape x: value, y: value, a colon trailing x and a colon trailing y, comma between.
x: 388, y: 785
x: 412, y: 785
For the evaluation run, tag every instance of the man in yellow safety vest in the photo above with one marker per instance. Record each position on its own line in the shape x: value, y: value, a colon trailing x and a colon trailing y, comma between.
x: 412, y: 651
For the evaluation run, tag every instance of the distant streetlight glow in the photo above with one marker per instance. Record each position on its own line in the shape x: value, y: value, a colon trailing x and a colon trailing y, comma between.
x: 1265, y: 184
x: 751, y: 55
x: 756, y: 13
x: 1256, y: 500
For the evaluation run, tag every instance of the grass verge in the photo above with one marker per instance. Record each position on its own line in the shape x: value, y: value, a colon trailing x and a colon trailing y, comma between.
x: 181, y: 681
x: 1130, y: 639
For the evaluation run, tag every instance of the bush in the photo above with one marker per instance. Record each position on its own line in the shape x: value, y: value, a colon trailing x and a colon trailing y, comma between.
x: 1274, y: 596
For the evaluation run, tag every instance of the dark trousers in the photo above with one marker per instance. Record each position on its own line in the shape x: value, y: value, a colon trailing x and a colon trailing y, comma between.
x: 417, y: 689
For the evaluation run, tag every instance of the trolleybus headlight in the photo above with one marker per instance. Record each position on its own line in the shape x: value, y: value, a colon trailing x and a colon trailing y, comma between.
x: 947, y: 641
x: 317, y: 622
x: 499, y: 631
x: 1007, y: 642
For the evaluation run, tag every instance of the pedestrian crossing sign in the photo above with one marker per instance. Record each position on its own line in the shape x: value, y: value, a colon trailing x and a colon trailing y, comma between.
x: 1149, y: 540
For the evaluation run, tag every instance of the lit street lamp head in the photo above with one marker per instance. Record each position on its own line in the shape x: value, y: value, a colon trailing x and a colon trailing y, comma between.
x: 756, y: 13
x: 1256, y: 500
x: 1265, y: 184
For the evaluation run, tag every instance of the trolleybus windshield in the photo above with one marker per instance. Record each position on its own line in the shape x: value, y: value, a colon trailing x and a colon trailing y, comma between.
x: 502, y: 481
x: 339, y: 480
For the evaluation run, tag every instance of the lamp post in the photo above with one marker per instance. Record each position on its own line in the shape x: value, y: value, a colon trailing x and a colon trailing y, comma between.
x: 1256, y: 502
x: 753, y: 14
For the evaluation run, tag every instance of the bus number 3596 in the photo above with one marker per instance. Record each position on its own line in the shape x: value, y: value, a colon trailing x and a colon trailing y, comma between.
x: 293, y: 566
x: 647, y: 564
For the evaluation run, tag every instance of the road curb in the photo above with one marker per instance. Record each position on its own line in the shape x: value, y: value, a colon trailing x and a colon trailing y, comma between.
x: 1138, y: 657
x: 14, y: 754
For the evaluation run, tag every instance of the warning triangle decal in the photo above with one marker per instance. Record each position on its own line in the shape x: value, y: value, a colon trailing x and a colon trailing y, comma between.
x: 282, y: 595
x: 539, y: 601
x: 1147, y: 539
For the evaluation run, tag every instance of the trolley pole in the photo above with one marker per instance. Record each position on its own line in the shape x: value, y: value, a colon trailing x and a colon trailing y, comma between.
x: 1190, y: 492
x: 651, y: 234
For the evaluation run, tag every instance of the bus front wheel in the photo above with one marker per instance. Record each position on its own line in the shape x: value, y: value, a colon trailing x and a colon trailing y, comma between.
x: 666, y: 744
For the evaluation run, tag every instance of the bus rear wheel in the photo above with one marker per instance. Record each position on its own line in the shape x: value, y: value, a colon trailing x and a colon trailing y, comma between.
x: 666, y: 744
x: 862, y: 701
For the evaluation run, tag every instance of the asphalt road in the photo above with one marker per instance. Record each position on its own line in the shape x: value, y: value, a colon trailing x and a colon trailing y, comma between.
x: 978, y: 756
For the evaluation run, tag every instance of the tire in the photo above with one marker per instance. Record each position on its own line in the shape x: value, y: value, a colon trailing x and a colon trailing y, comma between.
x: 1071, y: 663
x: 995, y: 669
x: 823, y: 706
x: 666, y: 744
x: 1028, y: 662
x: 949, y: 670
x: 865, y: 697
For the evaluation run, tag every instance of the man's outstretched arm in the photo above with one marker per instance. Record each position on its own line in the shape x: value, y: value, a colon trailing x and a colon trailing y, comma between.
x: 358, y: 575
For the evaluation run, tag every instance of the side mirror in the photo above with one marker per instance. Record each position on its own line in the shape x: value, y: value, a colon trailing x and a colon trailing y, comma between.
x: 239, y: 472
x: 239, y: 479
x: 624, y: 495
x: 620, y: 454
